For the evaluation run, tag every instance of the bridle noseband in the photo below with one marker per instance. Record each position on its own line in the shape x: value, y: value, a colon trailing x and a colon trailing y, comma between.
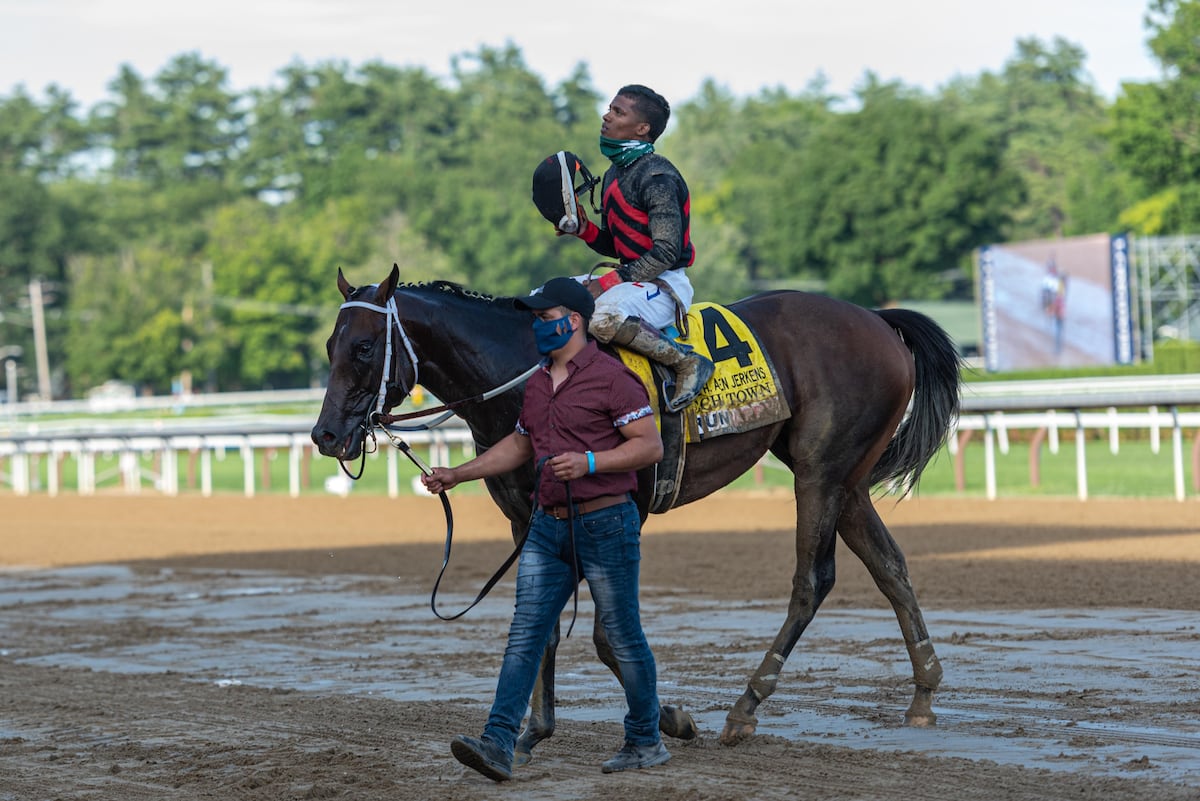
x: 393, y: 321
x: 392, y: 313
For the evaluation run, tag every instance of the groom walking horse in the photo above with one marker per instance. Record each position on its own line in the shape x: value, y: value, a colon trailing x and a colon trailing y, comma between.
x: 848, y: 375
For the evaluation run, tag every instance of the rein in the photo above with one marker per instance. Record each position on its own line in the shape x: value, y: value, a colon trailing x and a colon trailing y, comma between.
x: 445, y: 499
x: 388, y: 419
x: 512, y: 557
x: 378, y: 418
x: 500, y: 571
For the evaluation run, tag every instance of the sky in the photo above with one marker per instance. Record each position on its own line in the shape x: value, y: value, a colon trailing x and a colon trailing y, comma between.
x: 744, y: 46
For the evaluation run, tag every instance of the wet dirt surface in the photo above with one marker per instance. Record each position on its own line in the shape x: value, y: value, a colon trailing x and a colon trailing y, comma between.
x: 270, y: 648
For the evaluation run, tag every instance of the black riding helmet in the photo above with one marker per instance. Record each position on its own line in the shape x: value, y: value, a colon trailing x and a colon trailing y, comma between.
x: 555, y: 192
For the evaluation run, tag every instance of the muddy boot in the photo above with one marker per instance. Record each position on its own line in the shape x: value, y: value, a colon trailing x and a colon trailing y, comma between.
x: 692, y: 370
x: 636, y: 757
x: 483, y: 755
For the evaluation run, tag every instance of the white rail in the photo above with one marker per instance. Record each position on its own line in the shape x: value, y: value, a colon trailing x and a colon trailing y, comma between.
x: 1162, y: 391
x: 1149, y: 403
x: 131, y: 442
x: 996, y: 425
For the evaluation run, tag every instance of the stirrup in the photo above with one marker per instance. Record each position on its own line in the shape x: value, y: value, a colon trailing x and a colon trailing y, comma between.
x: 677, y: 402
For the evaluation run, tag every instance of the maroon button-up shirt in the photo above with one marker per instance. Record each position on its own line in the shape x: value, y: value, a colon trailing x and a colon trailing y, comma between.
x: 598, y: 396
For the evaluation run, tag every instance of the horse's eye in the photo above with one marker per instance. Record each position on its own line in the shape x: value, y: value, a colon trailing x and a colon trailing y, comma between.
x: 363, y: 350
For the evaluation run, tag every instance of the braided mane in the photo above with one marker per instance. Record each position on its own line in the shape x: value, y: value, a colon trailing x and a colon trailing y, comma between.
x: 454, y: 290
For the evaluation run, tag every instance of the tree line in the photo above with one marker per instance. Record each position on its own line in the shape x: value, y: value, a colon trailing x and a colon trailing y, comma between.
x: 181, y: 229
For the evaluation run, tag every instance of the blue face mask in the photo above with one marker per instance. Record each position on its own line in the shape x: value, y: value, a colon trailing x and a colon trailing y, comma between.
x: 552, y: 334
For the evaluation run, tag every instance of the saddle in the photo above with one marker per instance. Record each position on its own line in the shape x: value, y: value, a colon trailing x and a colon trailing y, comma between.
x: 742, y: 395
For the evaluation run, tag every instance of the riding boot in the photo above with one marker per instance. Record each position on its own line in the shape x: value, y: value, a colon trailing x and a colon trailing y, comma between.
x: 692, y: 370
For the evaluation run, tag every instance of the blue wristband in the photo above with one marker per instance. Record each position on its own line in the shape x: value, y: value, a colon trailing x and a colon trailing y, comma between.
x: 591, y: 462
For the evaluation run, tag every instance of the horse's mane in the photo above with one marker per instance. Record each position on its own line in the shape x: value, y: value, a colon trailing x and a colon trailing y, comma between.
x: 453, y: 290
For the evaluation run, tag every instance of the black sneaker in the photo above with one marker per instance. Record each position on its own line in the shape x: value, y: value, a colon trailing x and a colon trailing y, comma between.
x: 484, y: 756
x: 637, y: 756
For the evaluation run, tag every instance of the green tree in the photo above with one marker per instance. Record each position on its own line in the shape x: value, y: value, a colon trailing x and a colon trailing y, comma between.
x: 41, y: 140
x: 1156, y: 126
x: 184, y: 228
x: 183, y: 128
x: 272, y: 272
x: 731, y: 152
x: 330, y: 128
x: 126, y: 317
x: 1052, y: 122
x: 476, y: 206
x: 888, y: 199
x: 36, y: 141
x: 171, y: 145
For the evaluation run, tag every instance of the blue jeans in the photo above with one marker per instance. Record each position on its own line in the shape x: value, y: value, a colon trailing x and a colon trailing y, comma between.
x: 608, y: 555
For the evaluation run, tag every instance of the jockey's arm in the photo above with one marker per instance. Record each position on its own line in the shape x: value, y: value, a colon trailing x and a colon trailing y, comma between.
x: 666, y: 233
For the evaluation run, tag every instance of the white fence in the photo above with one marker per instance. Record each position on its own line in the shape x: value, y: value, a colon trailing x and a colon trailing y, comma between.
x: 1047, y: 425
x: 1045, y: 407
x: 1149, y: 404
x: 166, y: 441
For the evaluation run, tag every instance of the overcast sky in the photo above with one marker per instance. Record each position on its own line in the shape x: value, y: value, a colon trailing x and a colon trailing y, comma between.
x: 671, y: 45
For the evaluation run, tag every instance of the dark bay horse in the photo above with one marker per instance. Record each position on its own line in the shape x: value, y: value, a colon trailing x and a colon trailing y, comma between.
x: 848, y: 375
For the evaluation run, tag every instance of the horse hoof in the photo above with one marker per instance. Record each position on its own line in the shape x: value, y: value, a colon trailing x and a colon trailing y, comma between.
x: 674, y: 722
x: 919, y: 720
x: 522, y: 758
x: 735, y: 733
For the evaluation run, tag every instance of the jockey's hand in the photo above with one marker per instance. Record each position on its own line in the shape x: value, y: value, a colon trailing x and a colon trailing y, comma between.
x: 442, y: 479
x: 583, y: 221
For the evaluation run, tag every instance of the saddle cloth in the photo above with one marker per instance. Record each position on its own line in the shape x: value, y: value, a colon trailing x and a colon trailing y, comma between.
x: 742, y: 395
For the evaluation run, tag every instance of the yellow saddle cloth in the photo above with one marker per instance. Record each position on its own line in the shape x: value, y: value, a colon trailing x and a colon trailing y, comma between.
x: 743, y: 393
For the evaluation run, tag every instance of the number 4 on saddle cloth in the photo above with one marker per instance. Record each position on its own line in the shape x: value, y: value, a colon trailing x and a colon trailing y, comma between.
x: 742, y: 395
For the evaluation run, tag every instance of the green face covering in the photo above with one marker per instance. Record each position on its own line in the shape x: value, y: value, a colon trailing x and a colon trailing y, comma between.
x: 623, y: 152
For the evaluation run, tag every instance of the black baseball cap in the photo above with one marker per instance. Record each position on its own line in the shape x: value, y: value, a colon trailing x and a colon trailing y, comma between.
x: 559, y: 292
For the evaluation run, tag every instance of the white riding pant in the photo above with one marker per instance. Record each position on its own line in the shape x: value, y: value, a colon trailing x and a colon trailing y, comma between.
x: 647, y: 301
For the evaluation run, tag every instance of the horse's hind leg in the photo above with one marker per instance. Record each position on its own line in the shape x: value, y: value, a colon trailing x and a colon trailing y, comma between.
x: 869, y: 539
x: 817, y: 511
x: 540, y: 724
x: 673, y: 721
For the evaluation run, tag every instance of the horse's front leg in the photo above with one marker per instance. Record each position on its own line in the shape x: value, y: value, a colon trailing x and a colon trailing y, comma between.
x: 540, y: 724
x: 673, y: 721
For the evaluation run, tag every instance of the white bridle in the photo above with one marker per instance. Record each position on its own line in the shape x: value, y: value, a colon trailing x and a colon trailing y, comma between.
x: 393, y: 319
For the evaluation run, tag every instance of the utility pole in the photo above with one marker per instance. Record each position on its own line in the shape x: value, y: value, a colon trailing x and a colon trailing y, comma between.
x: 207, y: 283
x: 10, y: 383
x: 39, y: 339
x: 10, y: 354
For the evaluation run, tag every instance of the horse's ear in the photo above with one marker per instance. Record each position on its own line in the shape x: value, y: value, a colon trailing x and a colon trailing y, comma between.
x: 344, y: 285
x: 388, y: 288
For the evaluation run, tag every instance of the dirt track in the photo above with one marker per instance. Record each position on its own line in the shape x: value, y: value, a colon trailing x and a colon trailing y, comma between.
x: 276, y: 649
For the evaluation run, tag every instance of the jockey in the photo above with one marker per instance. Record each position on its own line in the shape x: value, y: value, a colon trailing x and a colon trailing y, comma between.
x: 645, y: 222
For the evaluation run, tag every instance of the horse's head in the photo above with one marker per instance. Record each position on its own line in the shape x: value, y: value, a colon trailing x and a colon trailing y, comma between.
x: 364, y: 344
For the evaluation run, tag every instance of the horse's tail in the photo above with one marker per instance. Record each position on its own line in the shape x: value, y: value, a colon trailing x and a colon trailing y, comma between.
x: 935, y: 400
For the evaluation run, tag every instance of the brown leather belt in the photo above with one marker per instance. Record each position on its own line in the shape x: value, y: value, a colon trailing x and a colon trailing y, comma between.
x: 583, y: 507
